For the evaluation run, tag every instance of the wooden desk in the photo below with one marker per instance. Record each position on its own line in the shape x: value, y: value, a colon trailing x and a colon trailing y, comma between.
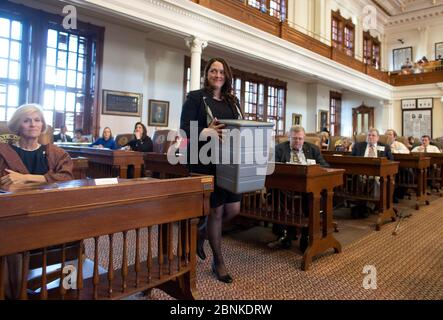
x: 331, y: 152
x: 78, y: 210
x: 159, y: 166
x: 415, y: 175
x: 371, y: 168
x: 104, y: 163
x: 81, y: 166
x: 311, y: 180
x: 435, y: 175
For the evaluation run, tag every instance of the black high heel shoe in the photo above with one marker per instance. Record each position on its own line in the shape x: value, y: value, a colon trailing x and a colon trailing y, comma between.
x: 200, y: 247
x: 226, y: 278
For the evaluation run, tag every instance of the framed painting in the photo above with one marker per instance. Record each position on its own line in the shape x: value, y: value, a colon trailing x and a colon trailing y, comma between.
x: 158, y: 113
x: 296, y: 119
x: 122, y: 103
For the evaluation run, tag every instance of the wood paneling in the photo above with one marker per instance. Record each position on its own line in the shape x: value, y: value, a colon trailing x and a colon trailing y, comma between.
x: 244, y: 13
x: 375, y: 73
x: 414, y: 79
x: 305, y: 41
x: 343, y: 58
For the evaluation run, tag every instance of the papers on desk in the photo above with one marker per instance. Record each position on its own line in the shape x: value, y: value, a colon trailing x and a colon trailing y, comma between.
x: 105, y: 181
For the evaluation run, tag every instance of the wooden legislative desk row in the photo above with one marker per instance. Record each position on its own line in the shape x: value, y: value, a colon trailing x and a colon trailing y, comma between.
x: 368, y: 180
x: 417, y: 171
x: 42, y: 223
x: 108, y: 163
x: 284, y: 184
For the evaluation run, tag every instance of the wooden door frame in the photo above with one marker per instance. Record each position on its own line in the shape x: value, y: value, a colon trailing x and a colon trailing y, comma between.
x: 362, y: 109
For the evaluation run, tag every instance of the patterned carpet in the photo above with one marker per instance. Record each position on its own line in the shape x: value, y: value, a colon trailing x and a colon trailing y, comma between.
x: 409, y: 265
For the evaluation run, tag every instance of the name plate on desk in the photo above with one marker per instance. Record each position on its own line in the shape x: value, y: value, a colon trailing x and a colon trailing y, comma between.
x: 105, y: 181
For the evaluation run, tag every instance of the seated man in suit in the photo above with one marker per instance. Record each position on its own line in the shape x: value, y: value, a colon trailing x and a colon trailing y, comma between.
x: 426, y: 146
x: 296, y: 150
x: 370, y: 148
x: 62, y: 136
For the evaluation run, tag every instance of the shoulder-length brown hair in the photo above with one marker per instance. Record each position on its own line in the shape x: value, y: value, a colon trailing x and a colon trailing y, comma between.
x: 145, y: 131
x: 226, y: 90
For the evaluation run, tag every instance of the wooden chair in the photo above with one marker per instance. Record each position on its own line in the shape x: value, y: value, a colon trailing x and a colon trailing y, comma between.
x: 7, y: 136
x: 314, y: 140
x: 122, y: 139
x: 160, y: 140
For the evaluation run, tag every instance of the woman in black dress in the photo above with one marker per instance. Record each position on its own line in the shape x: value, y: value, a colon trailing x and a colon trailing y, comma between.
x: 203, y: 107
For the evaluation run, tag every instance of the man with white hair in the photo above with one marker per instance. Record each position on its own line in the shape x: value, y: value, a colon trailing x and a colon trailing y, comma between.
x: 371, y: 148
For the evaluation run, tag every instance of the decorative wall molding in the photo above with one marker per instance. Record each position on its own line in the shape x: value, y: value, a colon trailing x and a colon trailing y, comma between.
x: 186, y: 18
x: 434, y: 90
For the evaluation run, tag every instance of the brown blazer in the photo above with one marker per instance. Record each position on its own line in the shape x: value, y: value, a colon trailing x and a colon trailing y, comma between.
x: 59, y: 163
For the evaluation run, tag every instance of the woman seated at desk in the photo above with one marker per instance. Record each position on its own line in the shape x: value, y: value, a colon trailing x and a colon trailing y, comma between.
x: 141, y: 142
x: 106, y: 140
x: 78, y: 136
x: 26, y: 163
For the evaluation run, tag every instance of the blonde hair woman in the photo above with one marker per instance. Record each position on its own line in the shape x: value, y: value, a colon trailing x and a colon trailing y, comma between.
x: 28, y: 161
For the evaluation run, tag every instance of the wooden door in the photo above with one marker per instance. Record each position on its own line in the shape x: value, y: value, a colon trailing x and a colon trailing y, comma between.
x: 362, y: 119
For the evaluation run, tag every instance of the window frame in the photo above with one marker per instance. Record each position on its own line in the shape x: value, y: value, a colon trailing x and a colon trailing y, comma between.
x: 342, y: 25
x: 335, y: 113
x: 32, y: 75
x: 371, y: 43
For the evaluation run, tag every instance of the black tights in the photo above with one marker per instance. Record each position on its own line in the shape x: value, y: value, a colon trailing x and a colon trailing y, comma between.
x: 212, y: 230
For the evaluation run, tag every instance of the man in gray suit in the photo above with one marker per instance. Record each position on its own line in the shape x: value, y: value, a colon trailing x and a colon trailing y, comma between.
x: 296, y: 150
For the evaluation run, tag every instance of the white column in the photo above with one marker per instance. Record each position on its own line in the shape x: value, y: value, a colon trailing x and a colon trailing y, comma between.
x: 196, y: 45
x: 388, y: 115
x: 422, y: 48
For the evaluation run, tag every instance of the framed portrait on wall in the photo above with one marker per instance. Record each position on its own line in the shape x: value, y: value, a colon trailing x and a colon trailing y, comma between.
x: 399, y: 57
x: 322, y: 119
x: 439, y: 50
x: 158, y: 113
x: 296, y: 119
x: 425, y: 103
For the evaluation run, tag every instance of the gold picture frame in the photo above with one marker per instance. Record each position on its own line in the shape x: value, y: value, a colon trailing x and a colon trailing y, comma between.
x: 296, y: 119
x: 121, y: 103
x: 158, y: 113
x: 323, y: 117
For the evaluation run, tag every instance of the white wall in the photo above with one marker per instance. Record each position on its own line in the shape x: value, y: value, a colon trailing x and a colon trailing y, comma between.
x: 296, y: 102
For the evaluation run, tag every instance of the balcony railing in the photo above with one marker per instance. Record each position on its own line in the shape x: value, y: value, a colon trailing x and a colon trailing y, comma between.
x: 256, y: 14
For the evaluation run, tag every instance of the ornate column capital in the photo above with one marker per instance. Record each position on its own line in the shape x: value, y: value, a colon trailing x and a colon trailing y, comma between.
x: 196, y: 44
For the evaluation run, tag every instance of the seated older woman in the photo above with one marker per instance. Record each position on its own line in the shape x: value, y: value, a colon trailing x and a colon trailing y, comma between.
x: 29, y: 162
x: 106, y: 140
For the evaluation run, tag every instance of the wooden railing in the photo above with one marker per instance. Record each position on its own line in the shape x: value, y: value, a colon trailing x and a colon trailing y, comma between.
x: 141, y: 234
x: 243, y: 12
x: 398, y: 79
